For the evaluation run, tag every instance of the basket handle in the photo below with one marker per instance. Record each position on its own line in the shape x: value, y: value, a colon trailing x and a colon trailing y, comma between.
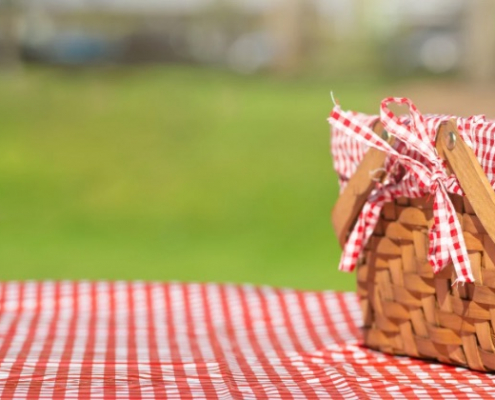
x: 352, y: 199
x: 450, y: 146
x: 469, y: 173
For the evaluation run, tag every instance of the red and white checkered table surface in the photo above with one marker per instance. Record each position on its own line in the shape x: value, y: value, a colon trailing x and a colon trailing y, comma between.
x: 151, y: 340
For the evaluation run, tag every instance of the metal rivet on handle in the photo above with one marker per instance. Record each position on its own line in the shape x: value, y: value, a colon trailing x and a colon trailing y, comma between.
x: 450, y: 139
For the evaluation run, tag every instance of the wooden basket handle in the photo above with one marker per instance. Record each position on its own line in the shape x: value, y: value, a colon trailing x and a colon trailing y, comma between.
x: 352, y: 199
x: 450, y: 146
x: 469, y: 173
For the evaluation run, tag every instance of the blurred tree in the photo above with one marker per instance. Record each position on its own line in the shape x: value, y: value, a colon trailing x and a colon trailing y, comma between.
x: 286, y: 23
x: 479, y: 63
x: 10, y: 53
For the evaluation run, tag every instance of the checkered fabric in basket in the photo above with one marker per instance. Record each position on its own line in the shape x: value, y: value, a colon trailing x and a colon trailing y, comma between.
x: 118, y: 340
x: 414, y: 170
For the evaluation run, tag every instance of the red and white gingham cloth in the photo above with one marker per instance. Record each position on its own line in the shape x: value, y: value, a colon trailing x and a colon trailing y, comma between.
x: 414, y: 169
x: 110, y: 340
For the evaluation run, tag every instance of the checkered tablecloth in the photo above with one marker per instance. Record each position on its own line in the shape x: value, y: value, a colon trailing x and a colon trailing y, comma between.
x: 151, y: 340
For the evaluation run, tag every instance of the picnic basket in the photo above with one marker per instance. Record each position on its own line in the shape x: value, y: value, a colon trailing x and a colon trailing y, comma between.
x: 408, y: 309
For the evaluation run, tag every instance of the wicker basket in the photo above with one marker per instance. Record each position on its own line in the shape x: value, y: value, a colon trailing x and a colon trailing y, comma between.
x: 408, y: 310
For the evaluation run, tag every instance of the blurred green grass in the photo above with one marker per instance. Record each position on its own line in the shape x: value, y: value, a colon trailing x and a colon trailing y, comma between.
x: 170, y: 173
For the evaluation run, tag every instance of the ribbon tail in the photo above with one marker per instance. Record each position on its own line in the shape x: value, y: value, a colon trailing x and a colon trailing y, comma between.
x: 458, y: 251
x: 360, y: 234
x: 447, y: 240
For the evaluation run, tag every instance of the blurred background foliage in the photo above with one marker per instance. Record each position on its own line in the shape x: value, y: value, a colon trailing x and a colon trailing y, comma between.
x: 187, y: 140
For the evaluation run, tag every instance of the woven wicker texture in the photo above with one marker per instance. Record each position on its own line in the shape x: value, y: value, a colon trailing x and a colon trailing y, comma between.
x: 407, y: 310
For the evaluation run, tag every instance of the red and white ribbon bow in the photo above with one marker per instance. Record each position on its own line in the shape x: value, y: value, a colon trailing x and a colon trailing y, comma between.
x: 424, y: 174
